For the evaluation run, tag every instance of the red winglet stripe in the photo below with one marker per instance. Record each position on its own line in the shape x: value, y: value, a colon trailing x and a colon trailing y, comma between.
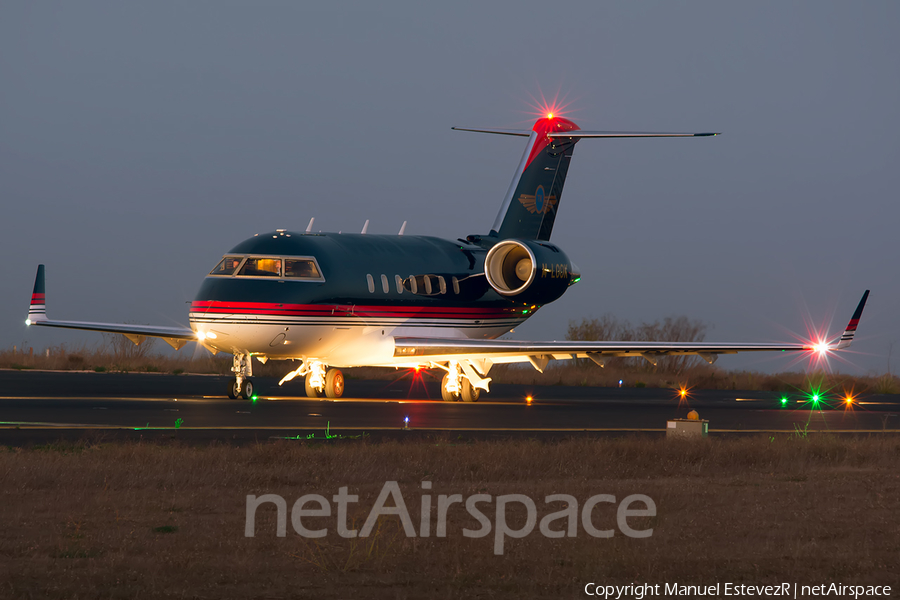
x: 37, y: 298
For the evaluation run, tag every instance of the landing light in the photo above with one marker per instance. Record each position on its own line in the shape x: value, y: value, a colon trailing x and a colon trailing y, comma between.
x: 821, y: 347
x: 27, y: 321
x: 211, y: 335
x: 528, y: 399
x: 201, y: 336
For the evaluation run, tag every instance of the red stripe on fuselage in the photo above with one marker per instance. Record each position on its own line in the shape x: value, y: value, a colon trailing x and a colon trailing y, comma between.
x: 322, y: 310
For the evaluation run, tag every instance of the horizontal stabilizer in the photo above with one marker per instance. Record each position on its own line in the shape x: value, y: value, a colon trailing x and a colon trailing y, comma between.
x: 517, y: 132
x: 622, y: 134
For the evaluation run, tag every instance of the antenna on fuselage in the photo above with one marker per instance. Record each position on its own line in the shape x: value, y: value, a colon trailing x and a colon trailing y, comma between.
x: 402, y: 228
x: 309, y: 227
x: 365, y: 227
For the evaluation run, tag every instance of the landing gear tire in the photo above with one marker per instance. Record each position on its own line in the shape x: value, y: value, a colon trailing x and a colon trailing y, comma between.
x: 233, y: 389
x: 312, y: 392
x: 470, y: 393
x: 445, y: 395
x: 247, y: 389
x: 334, y: 383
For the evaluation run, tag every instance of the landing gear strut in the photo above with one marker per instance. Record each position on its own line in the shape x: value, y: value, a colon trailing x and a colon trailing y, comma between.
x: 456, y: 385
x: 451, y: 384
x: 241, y: 386
x: 321, y: 382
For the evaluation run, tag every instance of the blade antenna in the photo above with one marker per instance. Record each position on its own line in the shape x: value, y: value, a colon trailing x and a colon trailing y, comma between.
x: 309, y: 227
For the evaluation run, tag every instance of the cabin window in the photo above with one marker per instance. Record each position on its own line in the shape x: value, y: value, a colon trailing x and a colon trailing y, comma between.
x: 455, y: 283
x: 399, y: 283
x: 427, y: 279
x: 301, y: 268
x: 442, y: 283
x: 261, y: 267
x: 371, y: 283
x: 413, y: 287
x: 384, y: 284
x: 227, y: 266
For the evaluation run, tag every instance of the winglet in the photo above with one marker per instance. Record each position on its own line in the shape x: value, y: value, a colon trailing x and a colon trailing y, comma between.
x: 848, y: 334
x: 37, y: 311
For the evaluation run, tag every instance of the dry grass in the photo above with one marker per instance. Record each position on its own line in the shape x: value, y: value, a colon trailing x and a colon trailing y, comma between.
x: 132, y: 520
x: 114, y: 356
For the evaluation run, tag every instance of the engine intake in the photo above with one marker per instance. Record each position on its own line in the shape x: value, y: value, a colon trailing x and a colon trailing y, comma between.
x: 534, y: 271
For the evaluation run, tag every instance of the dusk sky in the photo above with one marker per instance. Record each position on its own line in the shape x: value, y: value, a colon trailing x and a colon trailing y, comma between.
x: 139, y: 142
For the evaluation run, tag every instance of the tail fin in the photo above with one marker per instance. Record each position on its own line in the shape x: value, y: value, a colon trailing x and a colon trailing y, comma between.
x: 37, y: 310
x: 529, y: 208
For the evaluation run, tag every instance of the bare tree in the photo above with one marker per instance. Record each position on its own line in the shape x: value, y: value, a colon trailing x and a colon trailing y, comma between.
x: 670, y: 329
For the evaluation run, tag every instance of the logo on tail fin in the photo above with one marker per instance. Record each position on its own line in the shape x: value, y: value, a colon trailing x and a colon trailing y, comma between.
x: 538, y: 203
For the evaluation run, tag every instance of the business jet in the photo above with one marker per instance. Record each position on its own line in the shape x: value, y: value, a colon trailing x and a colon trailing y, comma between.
x: 338, y: 300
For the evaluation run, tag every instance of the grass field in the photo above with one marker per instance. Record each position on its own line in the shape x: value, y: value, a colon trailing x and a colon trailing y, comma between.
x: 120, y: 355
x: 138, y: 520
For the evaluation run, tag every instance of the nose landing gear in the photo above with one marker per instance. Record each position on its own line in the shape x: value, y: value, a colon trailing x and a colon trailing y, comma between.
x: 241, y: 386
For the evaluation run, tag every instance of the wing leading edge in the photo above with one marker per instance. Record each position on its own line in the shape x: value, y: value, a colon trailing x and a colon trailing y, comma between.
x: 539, y: 353
x: 37, y: 315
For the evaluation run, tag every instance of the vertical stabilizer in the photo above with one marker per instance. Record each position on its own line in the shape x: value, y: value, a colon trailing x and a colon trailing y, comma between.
x: 529, y: 208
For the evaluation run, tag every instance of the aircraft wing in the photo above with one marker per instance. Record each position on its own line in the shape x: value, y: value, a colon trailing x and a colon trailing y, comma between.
x: 37, y: 315
x: 539, y: 354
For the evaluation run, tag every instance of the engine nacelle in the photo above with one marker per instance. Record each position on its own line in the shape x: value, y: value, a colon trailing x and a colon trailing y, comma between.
x: 530, y: 270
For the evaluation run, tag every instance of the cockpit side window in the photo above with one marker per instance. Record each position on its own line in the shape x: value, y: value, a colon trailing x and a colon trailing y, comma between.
x: 261, y: 267
x: 301, y: 268
x: 227, y: 266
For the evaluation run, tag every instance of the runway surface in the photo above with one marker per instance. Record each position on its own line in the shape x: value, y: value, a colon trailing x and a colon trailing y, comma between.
x: 40, y: 406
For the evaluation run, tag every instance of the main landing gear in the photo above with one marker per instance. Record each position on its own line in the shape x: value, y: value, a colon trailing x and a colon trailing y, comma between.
x: 454, y: 386
x: 241, y: 386
x: 324, y: 382
x: 320, y: 380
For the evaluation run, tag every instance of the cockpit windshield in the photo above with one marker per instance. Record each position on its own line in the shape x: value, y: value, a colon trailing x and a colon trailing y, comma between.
x: 227, y: 266
x: 276, y: 267
x: 261, y: 267
x: 301, y: 268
